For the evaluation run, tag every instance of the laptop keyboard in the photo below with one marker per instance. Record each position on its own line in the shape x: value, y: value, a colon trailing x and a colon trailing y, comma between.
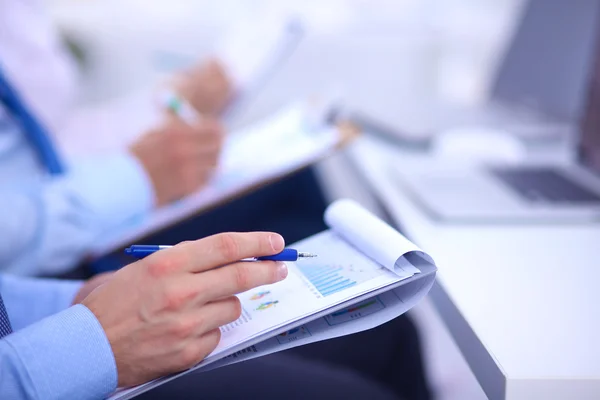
x: 545, y: 185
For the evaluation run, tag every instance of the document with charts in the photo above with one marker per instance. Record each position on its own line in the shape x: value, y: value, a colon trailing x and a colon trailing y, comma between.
x: 365, y: 274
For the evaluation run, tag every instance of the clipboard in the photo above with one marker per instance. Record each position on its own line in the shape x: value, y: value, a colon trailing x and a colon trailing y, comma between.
x: 331, y: 136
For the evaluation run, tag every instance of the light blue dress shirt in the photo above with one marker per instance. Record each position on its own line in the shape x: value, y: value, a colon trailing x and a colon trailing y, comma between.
x: 48, y: 223
x: 56, y: 351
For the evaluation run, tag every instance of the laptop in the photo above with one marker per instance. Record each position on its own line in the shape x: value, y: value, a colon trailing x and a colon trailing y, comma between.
x: 535, y: 105
x: 519, y: 193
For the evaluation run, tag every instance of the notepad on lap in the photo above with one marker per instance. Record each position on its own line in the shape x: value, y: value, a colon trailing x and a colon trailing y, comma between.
x: 366, y: 274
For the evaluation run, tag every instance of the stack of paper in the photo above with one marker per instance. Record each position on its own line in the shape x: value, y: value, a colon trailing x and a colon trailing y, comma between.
x: 365, y: 274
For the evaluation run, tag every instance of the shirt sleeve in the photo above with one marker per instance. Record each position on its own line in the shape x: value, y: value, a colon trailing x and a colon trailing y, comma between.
x: 29, y: 300
x: 65, y: 356
x: 49, y: 226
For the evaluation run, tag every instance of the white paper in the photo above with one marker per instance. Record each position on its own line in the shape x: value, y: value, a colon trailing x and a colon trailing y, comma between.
x: 359, y: 317
x: 267, y: 308
x: 339, y: 273
x: 254, y: 48
x: 372, y: 236
x: 261, y: 152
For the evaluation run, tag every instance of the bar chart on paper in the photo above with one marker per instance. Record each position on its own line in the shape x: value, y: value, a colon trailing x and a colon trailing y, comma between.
x: 331, y: 278
x: 337, y: 267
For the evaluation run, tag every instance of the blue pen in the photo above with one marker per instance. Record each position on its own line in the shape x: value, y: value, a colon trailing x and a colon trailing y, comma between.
x: 144, y: 250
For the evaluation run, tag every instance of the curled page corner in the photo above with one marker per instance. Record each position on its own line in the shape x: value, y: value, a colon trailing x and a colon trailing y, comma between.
x: 375, y: 238
x: 412, y: 261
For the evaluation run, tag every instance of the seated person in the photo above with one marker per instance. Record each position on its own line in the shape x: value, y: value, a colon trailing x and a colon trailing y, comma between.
x: 159, y: 316
x: 50, y: 223
x: 56, y: 219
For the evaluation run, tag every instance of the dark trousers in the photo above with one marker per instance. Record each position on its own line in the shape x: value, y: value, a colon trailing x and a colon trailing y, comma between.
x: 382, y: 363
x: 273, y: 377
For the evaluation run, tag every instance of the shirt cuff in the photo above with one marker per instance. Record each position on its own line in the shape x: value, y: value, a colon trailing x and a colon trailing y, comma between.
x: 40, y: 297
x: 115, y: 186
x: 67, y: 356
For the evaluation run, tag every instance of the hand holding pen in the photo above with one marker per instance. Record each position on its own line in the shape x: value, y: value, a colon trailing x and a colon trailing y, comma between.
x: 179, y: 156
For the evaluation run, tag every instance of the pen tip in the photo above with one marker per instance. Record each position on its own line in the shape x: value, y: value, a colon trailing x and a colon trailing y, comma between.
x: 306, y: 255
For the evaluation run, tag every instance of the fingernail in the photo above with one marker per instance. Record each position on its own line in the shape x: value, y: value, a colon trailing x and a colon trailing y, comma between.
x: 282, y: 271
x: 277, y: 242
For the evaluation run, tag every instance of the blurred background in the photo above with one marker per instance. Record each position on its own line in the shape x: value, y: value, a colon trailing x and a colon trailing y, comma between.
x: 393, y: 51
x: 386, y: 58
x: 449, y: 47
x: 382, y: 57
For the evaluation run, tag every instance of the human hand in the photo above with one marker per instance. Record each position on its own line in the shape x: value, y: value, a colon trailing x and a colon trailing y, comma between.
x: 162, y: 314
x: 178, y: 157
x: 90, y: 285
x: 206, y: 87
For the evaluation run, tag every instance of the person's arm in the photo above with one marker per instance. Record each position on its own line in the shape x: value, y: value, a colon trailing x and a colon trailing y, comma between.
x: 29, y: 300
x: 49, y: 226
x: 65, y: 356
x: 184, y: 294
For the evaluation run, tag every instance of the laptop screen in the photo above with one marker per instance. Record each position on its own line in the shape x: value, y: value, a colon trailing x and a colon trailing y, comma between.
x: 547, y: 63
x: 589, y: 147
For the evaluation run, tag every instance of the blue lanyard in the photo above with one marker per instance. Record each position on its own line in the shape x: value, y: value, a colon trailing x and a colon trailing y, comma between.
x: 31, y: 127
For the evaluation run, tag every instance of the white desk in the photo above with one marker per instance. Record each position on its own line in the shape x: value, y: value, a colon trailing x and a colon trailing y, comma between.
x: 520, y: 301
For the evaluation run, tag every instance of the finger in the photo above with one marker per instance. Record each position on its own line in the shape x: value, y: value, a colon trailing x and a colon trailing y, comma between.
x: 210, y: 316
x: 209, y: 127
x: 201, y: 138
x: 203, y: 129
x: 197, y: 151
x: 209, y: 146
x: 221, y: 71
x: 222, y: 249
x: 236, y: 278
x: 200, y: 348
x: 194, y: 152
x: 200, y: 166
x: 211, y: 158
x: 198, y: 318
x: 193, y: 179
